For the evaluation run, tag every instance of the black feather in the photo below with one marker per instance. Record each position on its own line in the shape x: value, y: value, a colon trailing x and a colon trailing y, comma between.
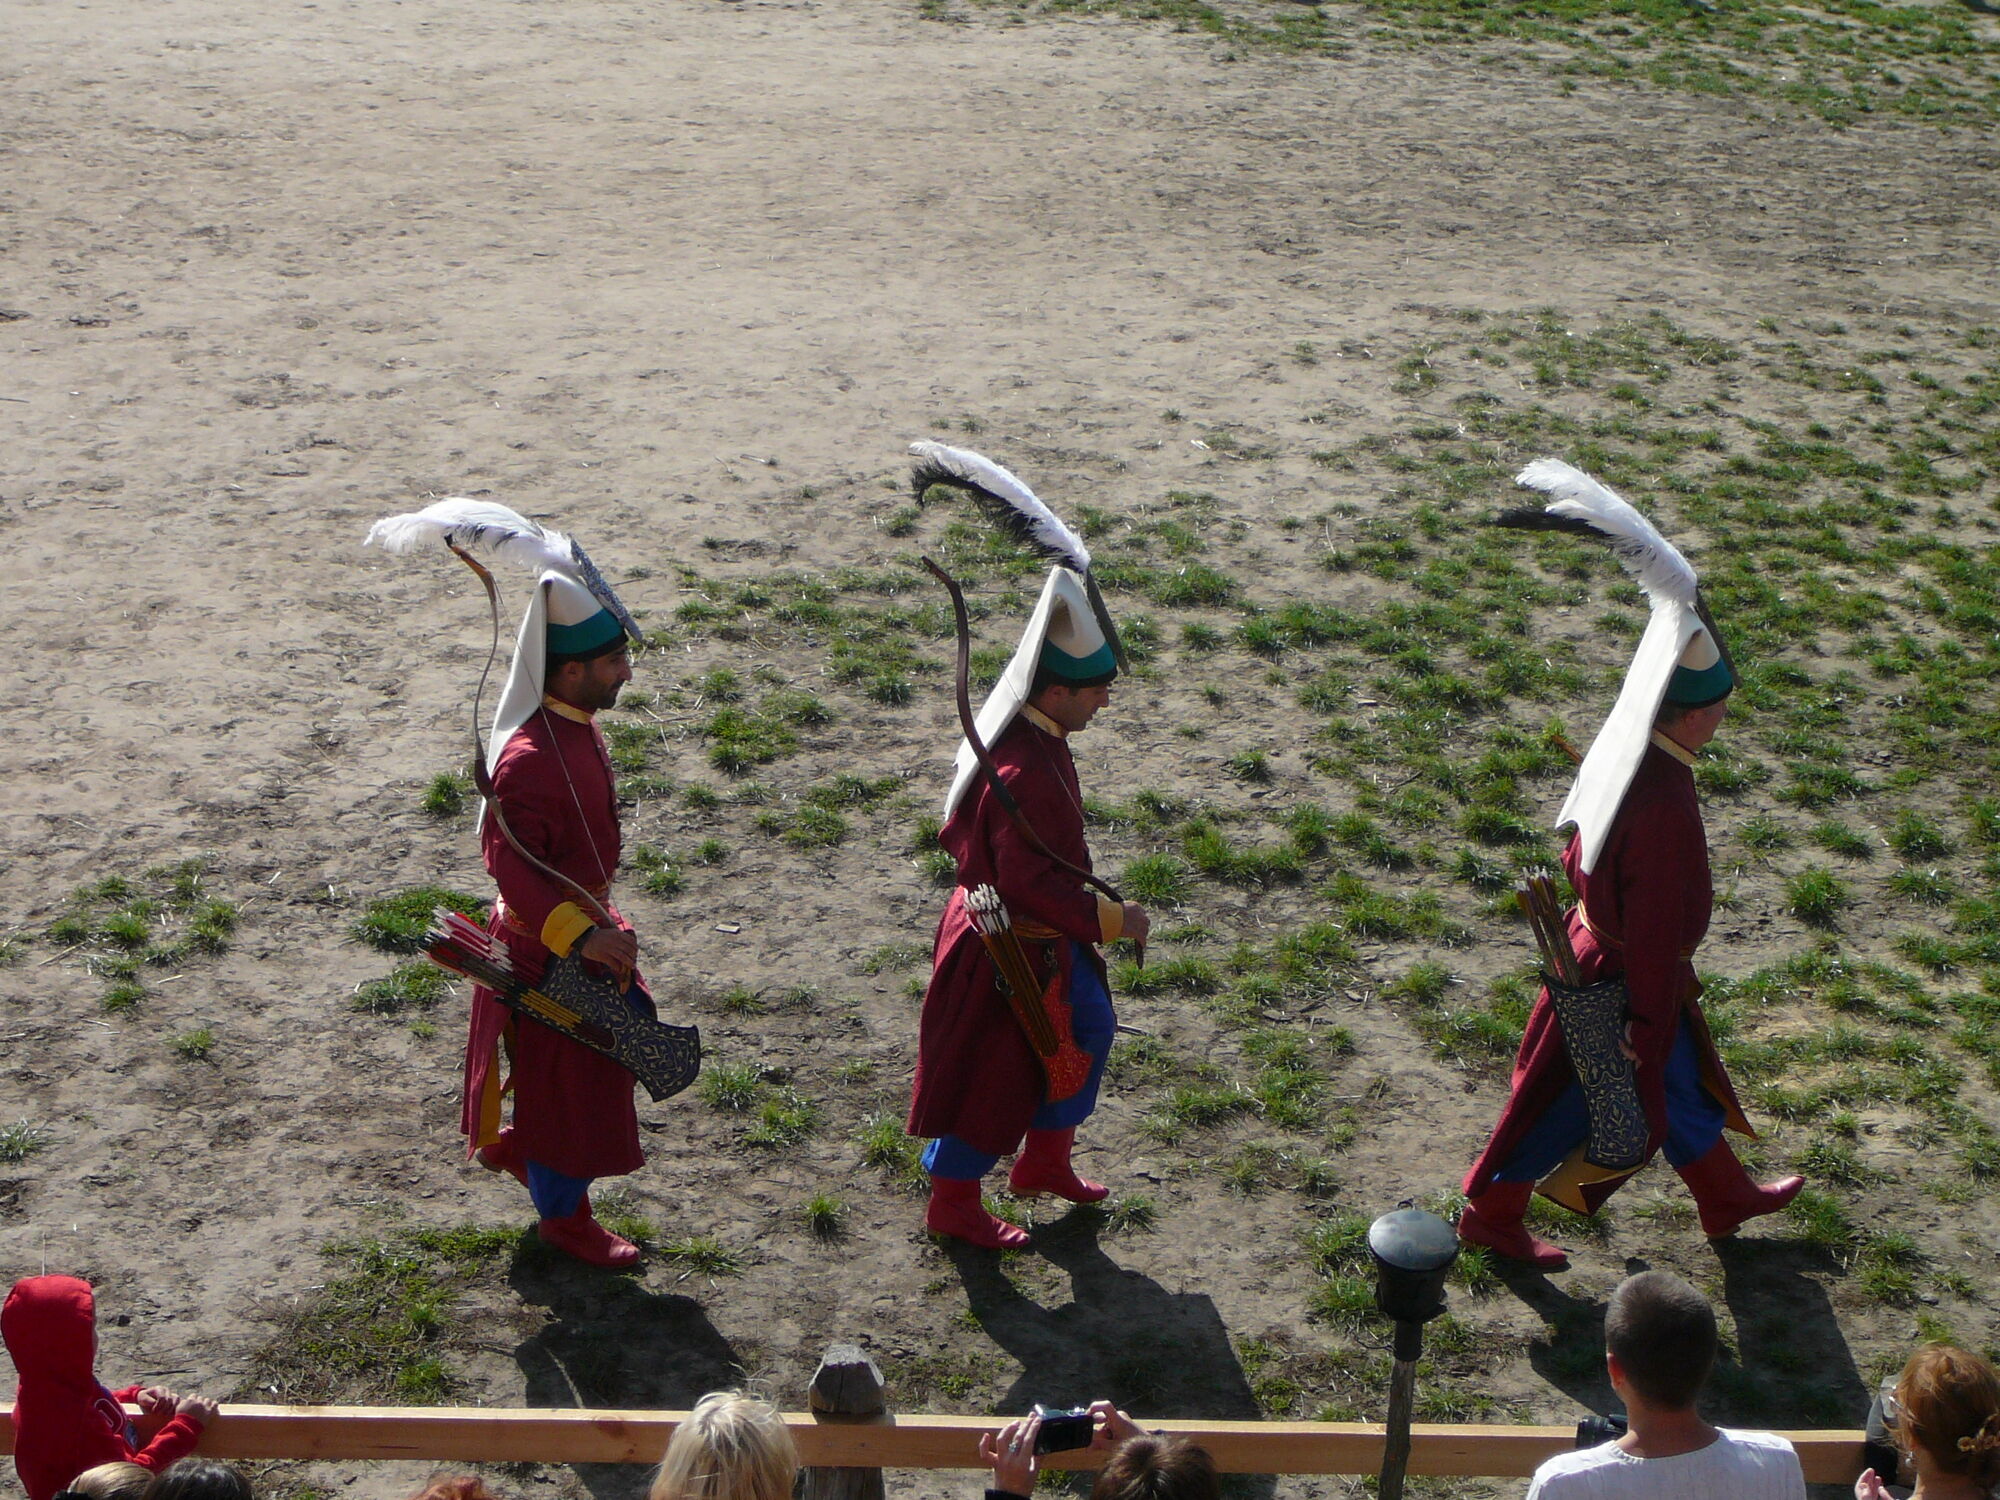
x: 926, y: 473
x: 1533, y: 518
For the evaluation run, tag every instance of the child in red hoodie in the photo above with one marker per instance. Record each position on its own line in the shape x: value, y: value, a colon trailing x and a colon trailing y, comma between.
x: 64, y: 1421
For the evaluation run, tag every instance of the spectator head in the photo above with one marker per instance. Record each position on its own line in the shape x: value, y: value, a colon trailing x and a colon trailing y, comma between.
x: 731, y: 1447
x: 202, y: 1479
x: 1152, y: 1468
x: 455, y: 1487
x: 1661, y: 1333
x: 112, y: 1482
x: 1949, y: 1406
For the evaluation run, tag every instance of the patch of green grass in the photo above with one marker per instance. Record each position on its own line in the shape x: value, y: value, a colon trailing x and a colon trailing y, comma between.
x: 884, y: 1145
x: 1915, y: 837
x: 732, y: 1087
x: 380, y: 1327
x: 783, y: 1120
x: 417, y: 983
x: 1816, y: 896
x: 397, y: 924
x: 194, y: 1046
x: 21, y: 1140
x: 123, y: 996
x: 1154, y: 880
x: 445, y: 796
x: 1837, y: 838
x: 825, y: 1216
x: 701, y: 1255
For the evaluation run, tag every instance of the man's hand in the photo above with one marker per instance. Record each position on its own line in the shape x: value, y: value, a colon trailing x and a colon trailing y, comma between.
x: 1625, y: 1046
x: 197, y: 1408
x: 1137, y: 923
x: 614, y: 947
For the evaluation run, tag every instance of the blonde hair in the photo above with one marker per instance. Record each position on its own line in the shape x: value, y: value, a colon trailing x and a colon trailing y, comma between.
x: 118, y: 1481
x: 731, y: 1447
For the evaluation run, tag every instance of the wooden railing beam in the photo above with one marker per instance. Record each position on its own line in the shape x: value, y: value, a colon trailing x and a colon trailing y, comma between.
x: 511, y: 1435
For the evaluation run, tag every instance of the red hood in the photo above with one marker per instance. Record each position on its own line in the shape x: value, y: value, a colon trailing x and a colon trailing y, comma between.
x: 49, y: 1324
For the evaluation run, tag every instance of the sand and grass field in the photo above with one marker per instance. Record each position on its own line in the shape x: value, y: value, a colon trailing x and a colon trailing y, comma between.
x: 1272, y: 301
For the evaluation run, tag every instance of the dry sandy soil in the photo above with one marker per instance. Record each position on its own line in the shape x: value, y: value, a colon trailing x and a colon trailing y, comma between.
x: 686, y: 278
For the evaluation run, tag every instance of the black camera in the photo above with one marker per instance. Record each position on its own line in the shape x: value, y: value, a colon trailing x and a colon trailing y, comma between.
x: 1063, y: 1430
x: 1594, y: 1432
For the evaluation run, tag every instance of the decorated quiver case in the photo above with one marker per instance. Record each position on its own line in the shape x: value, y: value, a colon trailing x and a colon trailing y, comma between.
x: 1593, y: 1030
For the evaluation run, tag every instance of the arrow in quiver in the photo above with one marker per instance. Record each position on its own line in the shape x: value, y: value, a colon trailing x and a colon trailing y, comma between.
x: 567, y: 997
x: 1043, y: 1013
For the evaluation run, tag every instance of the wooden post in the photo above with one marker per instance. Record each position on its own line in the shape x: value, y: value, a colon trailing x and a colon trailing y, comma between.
x: 845, y: 1388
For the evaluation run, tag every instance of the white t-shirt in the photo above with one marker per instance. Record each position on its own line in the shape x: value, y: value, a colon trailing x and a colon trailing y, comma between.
x: 1737, y: 1465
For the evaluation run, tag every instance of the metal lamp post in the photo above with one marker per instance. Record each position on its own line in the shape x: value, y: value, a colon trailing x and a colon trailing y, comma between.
x: 1413, y: 1253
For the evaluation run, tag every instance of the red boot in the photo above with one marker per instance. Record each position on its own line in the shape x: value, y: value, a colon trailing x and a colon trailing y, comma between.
x: 589, y: 1241
x: 1493, y: 1219
x: 955, y: 1210
x: 1043, y: 1167
x: 1726, y: 1196
x: 504, y: 1155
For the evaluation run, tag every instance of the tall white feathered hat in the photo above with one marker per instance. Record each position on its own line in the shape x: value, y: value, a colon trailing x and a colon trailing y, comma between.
x: 572, y: 615
x: 1681, y: 658
x: 1070, y: 636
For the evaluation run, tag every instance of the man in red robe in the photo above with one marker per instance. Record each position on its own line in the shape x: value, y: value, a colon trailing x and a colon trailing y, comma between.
x: 980, y: 1087
x: 574, y: 1118
x: 1639, y: 866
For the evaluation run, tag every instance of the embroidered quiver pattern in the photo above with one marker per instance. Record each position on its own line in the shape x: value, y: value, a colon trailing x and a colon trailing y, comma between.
x: 1593, y: 1030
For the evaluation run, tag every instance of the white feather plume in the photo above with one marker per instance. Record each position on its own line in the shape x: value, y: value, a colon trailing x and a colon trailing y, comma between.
x: 1649, y: 557
x: 1012, y: 502
x: 478, y: 523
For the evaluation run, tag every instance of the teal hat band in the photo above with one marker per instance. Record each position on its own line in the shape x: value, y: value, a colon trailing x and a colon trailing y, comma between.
x: 592, y: 638
x: 1699, y: 687
x: 1079, y: 671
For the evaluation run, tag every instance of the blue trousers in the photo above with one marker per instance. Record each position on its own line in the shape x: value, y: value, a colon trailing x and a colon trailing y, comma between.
x: 1093, y: 1024
x: 1694, y: 1121
x: 555, y: 1196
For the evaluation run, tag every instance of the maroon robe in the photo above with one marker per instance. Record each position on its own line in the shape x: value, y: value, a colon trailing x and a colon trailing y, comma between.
x: 977, y: 1077
x: 1640, y: 914
x: 573, y: 1107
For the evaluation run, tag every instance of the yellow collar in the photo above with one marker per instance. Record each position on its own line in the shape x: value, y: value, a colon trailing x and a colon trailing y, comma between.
x: 1678, y: 751
x: 564, y: 710
x: 1043, y: 722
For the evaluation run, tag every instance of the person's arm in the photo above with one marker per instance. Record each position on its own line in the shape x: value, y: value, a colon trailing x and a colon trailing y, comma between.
x: 540, y: 819
x: 1661, y: 854
x: 179, y: 1437
x: 1034, y: 887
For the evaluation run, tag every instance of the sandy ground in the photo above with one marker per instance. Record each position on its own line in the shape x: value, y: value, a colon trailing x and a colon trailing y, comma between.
x: 655, y: 271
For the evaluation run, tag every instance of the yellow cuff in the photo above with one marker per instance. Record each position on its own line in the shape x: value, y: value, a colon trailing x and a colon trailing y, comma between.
x: 1110, y: 919
x: 564, y: 926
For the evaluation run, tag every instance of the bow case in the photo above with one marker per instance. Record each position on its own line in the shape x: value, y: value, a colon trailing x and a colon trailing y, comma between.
x: 1040, y: 1008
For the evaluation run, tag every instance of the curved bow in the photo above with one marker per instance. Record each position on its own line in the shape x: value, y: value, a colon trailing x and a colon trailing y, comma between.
x: 1001, y: 793
x: 482, y: 778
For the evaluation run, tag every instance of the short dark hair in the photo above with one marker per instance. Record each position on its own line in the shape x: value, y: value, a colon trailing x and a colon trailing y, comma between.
x: 202, y: 1479
x: 1151, y: 1468
x: 1662, y: 1332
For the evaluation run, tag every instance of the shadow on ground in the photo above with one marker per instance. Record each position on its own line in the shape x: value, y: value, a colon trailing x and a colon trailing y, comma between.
x: 1790, y: 1365
x: 1121, y: 1336
x: 610, y: 1341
